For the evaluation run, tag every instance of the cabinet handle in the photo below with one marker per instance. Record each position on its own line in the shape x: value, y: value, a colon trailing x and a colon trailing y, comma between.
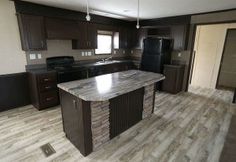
x: 49, y: 98
x: 74, y: 103
x: 47, y: 87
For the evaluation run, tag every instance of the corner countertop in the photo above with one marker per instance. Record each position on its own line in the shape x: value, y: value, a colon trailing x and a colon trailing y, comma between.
x: 42, y: 68
x: 105, y: 87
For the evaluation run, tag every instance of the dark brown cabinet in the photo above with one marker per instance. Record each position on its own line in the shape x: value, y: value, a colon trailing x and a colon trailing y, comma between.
x: 43, y: 90
x: 179, y: 34
x: 174, y: 78
x: 32, y: 32
x: 124, y: 37
x: 87, y: 36
x: 137, y: 37
x: 61, y: 29
x: 125, y: 111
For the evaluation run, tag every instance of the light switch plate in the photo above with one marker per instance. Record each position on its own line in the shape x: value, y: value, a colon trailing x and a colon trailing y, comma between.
x: 114, y: 52
x: 89, y: 53
x: 123, y: 51
x: 39, y: 56
x: 82, y: 54
x: 32, y: 56
x: 179, y: 54
x: 132, y: 51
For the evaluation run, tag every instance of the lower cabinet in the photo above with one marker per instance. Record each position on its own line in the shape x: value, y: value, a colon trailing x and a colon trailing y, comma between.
x: 43, y: 90
x: 125, y: 111
x: 174, y: 78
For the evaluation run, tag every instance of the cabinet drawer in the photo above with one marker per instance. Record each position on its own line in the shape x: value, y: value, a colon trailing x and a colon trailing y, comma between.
x: 47, y: 87
x: 49, y: 99
x: 47, y: 78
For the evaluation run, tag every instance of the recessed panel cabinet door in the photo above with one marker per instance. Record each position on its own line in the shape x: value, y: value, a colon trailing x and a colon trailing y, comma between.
x: 32, y: 32
x: 61, y: 29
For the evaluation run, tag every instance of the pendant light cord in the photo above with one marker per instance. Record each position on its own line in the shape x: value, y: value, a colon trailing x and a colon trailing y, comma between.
x: 138, y: 15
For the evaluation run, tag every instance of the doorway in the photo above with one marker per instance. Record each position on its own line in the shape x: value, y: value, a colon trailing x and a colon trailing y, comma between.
x: 208, y: 49
x: 227, y: 72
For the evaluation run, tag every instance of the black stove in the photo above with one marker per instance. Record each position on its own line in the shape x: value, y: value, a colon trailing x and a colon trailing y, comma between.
x: 64, y: 65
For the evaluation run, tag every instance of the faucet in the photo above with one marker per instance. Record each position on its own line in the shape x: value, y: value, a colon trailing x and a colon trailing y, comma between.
x: 106, y: 59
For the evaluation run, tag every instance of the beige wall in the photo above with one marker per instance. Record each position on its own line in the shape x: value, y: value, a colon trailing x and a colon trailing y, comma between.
x: 12, y: 58
x: 209, y: 44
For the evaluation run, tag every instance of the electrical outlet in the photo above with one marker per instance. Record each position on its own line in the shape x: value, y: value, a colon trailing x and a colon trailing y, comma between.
x: 123, y: 51
x: 39, y: 56
x: 89, y: 53
x: 82, y: 53
x: 32, y: 56
x: 132, y: 51
x: 114, y: 52
x: 179, y: 54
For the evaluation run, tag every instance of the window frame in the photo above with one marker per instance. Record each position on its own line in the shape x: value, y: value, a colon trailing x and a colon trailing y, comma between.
x: 112, y: 41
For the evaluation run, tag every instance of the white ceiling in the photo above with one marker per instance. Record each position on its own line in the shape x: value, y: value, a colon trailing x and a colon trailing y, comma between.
x: 127, y: 9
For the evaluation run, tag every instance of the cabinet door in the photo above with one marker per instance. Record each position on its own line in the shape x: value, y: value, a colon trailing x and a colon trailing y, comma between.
x: 123, y: 38
x: 61, y: 29
x: 92, y: 35
x: 32, y: 32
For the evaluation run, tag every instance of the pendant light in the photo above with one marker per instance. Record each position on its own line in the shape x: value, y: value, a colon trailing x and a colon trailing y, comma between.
x: 137, y: 26
x: 88, y: 18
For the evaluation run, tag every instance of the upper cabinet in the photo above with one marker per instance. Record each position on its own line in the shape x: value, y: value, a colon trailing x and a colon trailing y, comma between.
x: 137, y: 37
x: 124, y: 38
x: 32, y: 31
x: 176, y: 32
x: 61, y: 29
x: 87, y: 36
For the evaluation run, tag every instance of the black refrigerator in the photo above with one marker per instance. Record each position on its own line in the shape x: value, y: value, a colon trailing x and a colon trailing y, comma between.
x: 156, y: 53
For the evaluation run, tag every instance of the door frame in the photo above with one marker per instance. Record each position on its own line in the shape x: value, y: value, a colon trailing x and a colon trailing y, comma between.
x: 192, y: 37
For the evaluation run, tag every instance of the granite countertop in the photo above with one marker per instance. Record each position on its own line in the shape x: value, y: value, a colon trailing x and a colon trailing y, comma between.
x: 105, y: 87
x: 42, y: 68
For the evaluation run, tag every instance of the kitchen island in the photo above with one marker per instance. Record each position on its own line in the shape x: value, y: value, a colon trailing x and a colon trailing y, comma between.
x: 97, y: 109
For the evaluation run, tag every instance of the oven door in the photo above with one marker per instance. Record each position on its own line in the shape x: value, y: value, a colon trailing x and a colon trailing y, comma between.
x: 66, y: 76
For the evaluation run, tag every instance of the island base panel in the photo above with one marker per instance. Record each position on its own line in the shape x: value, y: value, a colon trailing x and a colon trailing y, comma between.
x: 148, y: 100
x: 100, y: 125
x: 76, y: 118
x: 88, y: 125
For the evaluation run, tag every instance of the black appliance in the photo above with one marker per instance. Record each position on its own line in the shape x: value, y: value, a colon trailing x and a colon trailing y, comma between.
x: 66, y: 68
x: 156, y: 53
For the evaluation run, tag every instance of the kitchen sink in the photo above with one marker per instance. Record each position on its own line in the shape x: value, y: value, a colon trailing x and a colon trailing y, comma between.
x: 107, y: 62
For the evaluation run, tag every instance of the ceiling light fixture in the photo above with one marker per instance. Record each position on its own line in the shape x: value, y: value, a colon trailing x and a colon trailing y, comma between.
x: 137, y: 26
x: 88, y: 18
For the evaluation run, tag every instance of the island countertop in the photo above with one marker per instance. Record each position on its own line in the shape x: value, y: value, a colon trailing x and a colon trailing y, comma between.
x: 105, y: 87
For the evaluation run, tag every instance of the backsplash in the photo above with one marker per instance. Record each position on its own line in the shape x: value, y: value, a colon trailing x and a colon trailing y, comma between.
x: 64, y: 48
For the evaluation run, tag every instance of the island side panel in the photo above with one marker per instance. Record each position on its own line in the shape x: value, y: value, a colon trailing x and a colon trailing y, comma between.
x: 125, y: 111
x: 148, y: 100
x: 100, y: 124
x: 76, y: 118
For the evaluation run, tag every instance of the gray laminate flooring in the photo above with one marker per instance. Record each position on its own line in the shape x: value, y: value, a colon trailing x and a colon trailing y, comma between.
x: 185, y: 127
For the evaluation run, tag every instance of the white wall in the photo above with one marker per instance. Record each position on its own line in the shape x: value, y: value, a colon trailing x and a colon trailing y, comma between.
x: 12, y: 58
x: 209, y: 45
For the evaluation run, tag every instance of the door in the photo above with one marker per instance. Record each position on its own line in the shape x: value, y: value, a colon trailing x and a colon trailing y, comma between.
x: 208, y: 47
x: 32, y: 32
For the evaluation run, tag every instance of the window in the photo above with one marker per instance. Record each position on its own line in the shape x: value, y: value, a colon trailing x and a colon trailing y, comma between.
x: 104, y: 44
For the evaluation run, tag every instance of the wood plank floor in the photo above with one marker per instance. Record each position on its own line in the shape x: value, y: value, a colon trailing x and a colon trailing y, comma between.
x: 185, y: 127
